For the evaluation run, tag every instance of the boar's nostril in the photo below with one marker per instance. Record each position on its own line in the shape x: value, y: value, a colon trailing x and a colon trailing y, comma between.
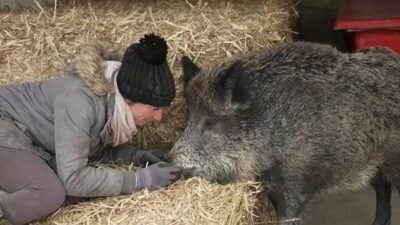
x: 168, y: 158
x: 188, y: 172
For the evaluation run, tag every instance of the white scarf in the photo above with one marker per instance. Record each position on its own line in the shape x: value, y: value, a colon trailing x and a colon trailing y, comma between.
x: 122, y: 123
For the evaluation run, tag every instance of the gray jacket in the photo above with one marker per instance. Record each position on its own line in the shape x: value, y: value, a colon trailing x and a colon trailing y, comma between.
x: 67, y: 119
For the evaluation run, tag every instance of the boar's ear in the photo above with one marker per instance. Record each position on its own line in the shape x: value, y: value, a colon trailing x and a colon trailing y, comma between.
x: 189, y: 69
x: 231, y: 86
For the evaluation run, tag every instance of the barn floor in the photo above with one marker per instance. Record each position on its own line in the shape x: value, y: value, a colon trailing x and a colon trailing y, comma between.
x: 349, y: 208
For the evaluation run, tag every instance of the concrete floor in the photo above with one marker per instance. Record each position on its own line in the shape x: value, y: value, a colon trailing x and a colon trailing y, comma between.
x: 348, y: 208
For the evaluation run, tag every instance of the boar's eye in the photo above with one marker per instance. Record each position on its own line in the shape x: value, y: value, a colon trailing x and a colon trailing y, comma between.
x: 208, y: 123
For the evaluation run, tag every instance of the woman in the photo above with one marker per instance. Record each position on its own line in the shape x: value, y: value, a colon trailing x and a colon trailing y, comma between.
x: 51, y: 129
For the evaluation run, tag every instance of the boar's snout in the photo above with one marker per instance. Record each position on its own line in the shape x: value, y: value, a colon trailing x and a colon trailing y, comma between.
x: 176, y: 157
x: 173, y: 154
x: 188, y: 172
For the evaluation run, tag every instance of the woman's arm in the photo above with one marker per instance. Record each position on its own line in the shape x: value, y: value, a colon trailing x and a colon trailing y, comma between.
x: 73, y: 117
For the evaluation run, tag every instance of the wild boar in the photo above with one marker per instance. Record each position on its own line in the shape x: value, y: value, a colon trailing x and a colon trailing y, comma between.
x: 301, y: 118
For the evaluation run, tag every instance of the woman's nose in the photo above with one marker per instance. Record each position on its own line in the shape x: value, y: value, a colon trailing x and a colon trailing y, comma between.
x: 157, y: 116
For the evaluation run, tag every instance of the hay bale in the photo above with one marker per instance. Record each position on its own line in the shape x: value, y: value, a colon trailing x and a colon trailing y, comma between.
x: 204, y: 204
x: 39, y: 43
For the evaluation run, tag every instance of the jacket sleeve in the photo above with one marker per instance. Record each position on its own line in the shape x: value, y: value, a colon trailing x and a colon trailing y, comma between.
x: 74, y: 115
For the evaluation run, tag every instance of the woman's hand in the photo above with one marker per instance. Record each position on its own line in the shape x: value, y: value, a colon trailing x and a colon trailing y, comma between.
x: 157, y: 176
x: 143, y: 157
x: 127, y: 154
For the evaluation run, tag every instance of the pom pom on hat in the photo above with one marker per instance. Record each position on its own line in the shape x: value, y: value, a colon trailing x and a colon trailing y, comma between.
x: 144, y: 75
x: 153, y: 49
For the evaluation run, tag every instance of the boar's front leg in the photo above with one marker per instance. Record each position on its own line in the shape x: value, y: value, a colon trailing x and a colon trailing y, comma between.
x: 288, y: 195
x: 289, y: 206
x: 383, y: 193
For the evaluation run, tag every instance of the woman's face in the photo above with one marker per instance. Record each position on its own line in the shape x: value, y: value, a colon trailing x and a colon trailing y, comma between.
x: 143, y: 113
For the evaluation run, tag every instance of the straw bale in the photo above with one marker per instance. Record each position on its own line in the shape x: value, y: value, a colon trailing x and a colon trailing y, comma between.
x: 204, y: 204
x: 39, y: 43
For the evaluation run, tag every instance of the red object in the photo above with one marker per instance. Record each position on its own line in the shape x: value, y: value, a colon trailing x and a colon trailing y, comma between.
x: 372, y: 22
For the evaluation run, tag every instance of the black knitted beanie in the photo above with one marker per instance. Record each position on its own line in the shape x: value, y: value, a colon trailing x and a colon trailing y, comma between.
x: 144, y: 75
